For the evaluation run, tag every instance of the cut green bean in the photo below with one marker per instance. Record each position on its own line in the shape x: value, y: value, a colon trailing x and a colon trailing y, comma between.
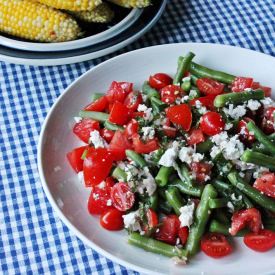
x: 96, y: 96
x: 237, y: 98
x: 194, y: 79
x: 119, y: 174
x: 84, y: 154
x: 149, y: 91
x: 260, y: 159
x: 217, y: 227
x: 251, y: 192
x: 186, y: 85
x: 183, y: 66
x: 261, y: 137
x: 155, y: 246
x: 174, y: 199
x: 204, y: 147
x: 157, y: 105
x: 137, y: 158
x: 202, y: 215
x: 217, y: 203
x: 185, y: 188
x: 111, y: 126
x: 154, y: 201
x: 163, y: 175
x: 99, y: 116
x: 184, y: 174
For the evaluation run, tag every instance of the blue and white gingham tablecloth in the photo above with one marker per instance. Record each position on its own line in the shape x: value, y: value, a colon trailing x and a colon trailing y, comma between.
x: 33, y: 240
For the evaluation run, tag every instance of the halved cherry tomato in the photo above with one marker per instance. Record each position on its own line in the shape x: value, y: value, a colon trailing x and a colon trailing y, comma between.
x: 118, y: 91
x: 209, y: 86
x: 180, y: 115
x: 83, y: 128
x: 241, y: 83
x: 107, y: 134
x: 98, y: 105
x: 183, y: 234
x: 202, y: 171
x: 74, y: 158
x: 268, y: 121
x: 267, y: 90
x: 112, y: 220
x: 159, y: 80
x: 144, y: 148
x: 212, y: 123
x: 245, y: 136
x: 131, y: 128
x: 122, y: 196
x: 119, y: 144
x: 168, y: 231
x: 97, y: 165
x: 167, y: 129
x: 266, y: 184
x: 119, y: 114
x: 262, y: 241
x: 215, y: 245
x: 170, y: 93
x: 206, y: 101
x: 249, y: 217
x: 152, y: 218
x: 196, y: 136
x: 132, y: 101
x: 99, y: 200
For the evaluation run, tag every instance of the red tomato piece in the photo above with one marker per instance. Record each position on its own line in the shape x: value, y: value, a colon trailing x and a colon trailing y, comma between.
x: 131, y: 128
x: 255, y: 85
x: 118, y: 91
x: 241, y: 83
x: 262, y: 241
x: 97, y: 166
x: 202, y: 171
x: 119, y: 114
x: 99, y: 200
x: 245, y: 136
x: 269, y: 114
x: 110, y: 182
x: 267, y: 124
x: 98, y: 105
x: 180, y: 115
x: 107, y: 134
x: 267, y: 90
x: 112, y: 220
x: 160, y: 80
x: 266, y: 184
x: 83, y: 128
x: 206, y: 101
x: 212, y: 123
x: 152, y: 218
x: 183, y: 234
x: 215, y: 245
x: 144, y: 148
x: 122, y: 196
x: 209, y: 86
x: 168, y: 130
x: 170, y: 93
x: 74, y: 158
x: 195, y: 137
x: 119, y: 144
x: 168, y: 231
x: 132, y: 101
x: 249, y: 217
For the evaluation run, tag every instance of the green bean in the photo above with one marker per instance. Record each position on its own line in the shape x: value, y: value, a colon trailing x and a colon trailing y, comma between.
x: 261, y: 137
x: 155, y: 246
x: 194, y: 93
x: 185, y: 188
x: 111, y: 126
x: 154, y: 201
x: 184, y: 174
x: 237, y: 98
x: 174, y: 199
x: 163, y: 175
x: 157, y: 105
x: 251, y: 192
x: 217, y: 227
x: 194, y: 79
x: 84, y: 154
x: 137, y: 158
x: 220, y: 215
x: 223, y: 165
x: 165, y: 207
x: 149, y: 91
x: 96, y: 96
x: 217, y: 203
x: 119, y: 174
x: 204, y: 147
x: 186, y: 85
x: 99, y: 116
x: 202, y: 215
x: 258, y: 159
x: 183, y: 65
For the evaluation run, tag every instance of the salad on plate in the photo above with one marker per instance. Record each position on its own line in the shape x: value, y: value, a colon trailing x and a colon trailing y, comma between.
x: 184, y: 164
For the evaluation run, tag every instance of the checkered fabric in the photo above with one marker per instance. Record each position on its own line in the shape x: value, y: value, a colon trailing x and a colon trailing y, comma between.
x: 33, y: 239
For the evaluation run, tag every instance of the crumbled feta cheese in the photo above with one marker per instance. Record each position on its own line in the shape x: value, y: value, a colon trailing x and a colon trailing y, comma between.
x: 187, y: 78
x: 132, y: 221
x: 268, y: 102
x: 230, y: 206
x: 96, y: 139
x: 148, y: 183
x: 77, y: 119
x: 144, y: 97
x: 147, y: 111
x: 95, y: 196
x: 259, y: 171
x: 178, y: 241
x: 148, y: 132
x: 234, y: 198
x: 228, y: 126
x: 109, y: 202
x: 170, y: 155
x: 179, y: 261
x: 192, y: 93
x: 131, y: 171
x: 184, y: 98
x: 201, y: 109
x: 248, y: 89
x: 189, y: 155
x: 102, y: 185
x: 186, y: 214
x: 235, y: 113
x: 243, y: 166
x: 253, y: 105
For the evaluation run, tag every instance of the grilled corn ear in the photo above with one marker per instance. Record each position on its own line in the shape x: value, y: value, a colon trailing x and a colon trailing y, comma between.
x: 132, y: 3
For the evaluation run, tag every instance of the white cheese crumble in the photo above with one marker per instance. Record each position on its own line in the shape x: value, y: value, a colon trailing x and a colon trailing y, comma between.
x: 102, y: 185
x: 192, y: 93
x: 77, y: 119
x: 253, y: 105
x: 148, y: 183
x: 96, y: 139
x: 132, y: 221
x: 228, y: 126
x: 230, y: 206
x: 170, y: 155
x: 109, y: 202
x: 268, y: 102
x: 189, y: 155
x: 147, y: 111
x: 201, y: 109
x: 235, y: 113
x: 243, y: 166
x: 259, y: 171
x: 187, y: 78
x: 148, y: 132
x: 186, y: 214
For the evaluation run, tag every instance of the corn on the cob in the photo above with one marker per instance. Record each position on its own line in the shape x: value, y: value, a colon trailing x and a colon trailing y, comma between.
x: 132, y: 3
x: 101, y: 14
x: 72, y: 5
x: 34, y: 21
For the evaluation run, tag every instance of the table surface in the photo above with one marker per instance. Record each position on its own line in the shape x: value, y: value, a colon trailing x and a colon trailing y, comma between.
x: 33, y: 239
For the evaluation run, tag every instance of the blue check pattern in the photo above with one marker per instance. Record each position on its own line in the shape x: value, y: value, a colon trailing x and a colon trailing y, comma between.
x: 33, y: 240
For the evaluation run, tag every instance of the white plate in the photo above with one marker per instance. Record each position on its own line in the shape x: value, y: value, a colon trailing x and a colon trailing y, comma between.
x: 69, y: 198
x: 75, y: 44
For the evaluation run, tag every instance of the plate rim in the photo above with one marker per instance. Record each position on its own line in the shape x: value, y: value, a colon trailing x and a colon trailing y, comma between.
x: 42, y: 135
